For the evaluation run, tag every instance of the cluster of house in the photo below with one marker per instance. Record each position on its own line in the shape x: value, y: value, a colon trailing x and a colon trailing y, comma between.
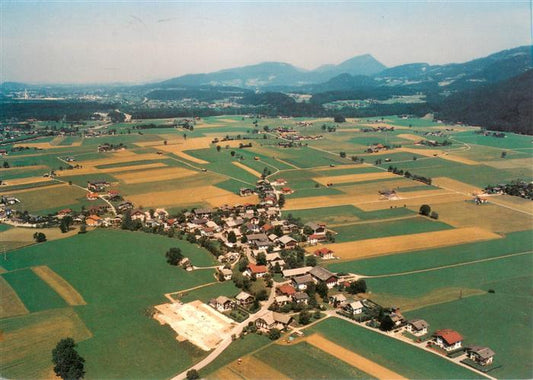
x: 376, y: 148
x: 106, y: 147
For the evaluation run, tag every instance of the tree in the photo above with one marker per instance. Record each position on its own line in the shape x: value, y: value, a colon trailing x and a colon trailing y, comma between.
x: 281, y: 201
x: 192, y: 374
x: 261, y: 258
x: 243, y: 264
x: 244, y: 239
x: 6, y: 164
x: 339, y: 119
x: 232, y: 153
x: 232, y: 238
x: 174, y: 256
x: 64, y: 226
x: 310, y: 261
x: 358, y: 286
x: 219, y: 148
x: 68, y: 364
x: 83, y: 228
x: 274, y: 334
x: 304, y: 317
x: 342, y: 154
x: 434, y: 215
x: 425, y: 210
x: 261, y: 295
x: 322, y: 290
x: 504, y: 154
x: 39, y: 237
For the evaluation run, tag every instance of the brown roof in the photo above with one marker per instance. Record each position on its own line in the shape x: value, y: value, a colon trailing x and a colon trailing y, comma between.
x: 257, y: 268
x: 449, y: 336
x: 287, y: 289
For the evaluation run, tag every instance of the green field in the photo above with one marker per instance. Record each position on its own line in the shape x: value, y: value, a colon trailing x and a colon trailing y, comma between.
x: 303, y: 361
x: 395, y: 355
x: 514, y: 242
x: 226, y: 288
x: 346, y: 214
x: 378, y: 229
x: 121, y: 275
x: 32, y: 291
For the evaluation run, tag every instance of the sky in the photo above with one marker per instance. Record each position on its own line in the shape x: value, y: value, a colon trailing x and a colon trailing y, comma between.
x: 140, y: 41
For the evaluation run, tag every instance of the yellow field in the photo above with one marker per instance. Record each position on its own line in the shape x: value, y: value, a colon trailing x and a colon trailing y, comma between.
x: 487, y: 216
x: 439, y: 153
x: 46, y: 146
x: 24, y: 168
x: 131, y: 167
x: 370, y: 202
x: 192, y: 195
x: 249, y: 368
x: 27, y: 349
x: 353, y: 359
x: 22, y: 191
x: 354, y: 178
x: 19, y: 237
x: 145, y: 176
x: 452, y: 184
x: 247, y: 168
x: 408, y: 136
x: 26, y: 181
x: 10, y: 303
x: 516, y: 163
x: 60, y: 285
x: 121, y: 157
x: 398, y: 244
x: 515, y: 203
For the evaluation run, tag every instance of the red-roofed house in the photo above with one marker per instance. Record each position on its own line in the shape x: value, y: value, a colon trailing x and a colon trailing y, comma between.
x: 315, y: 238
x: 280, y: 182
x: 286, y: 289
x: 92, y: 196
x: 257, y: 270
x: 93, y: 221
x: 324, y: 253
x: 449, y: 340
x: 287, y: 190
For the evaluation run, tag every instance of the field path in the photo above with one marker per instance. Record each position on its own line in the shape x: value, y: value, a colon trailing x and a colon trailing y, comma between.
x: 87, y: 190
x: 446, y: 266
x: 353, y: 359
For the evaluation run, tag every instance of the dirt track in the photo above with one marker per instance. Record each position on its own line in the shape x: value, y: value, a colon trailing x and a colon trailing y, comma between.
x: 358, y: 361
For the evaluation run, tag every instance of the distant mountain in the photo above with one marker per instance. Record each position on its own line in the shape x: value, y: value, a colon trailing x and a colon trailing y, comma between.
x: 504, y: 106
x: 458, y: 76
x: 271, y: 74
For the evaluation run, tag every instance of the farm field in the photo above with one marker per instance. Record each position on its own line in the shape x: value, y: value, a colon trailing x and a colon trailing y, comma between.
x: 392, y: 354
x: 117, y: 302
x: 101, y: 287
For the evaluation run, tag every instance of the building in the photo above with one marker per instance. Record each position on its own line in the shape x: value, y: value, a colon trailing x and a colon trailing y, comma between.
x: 93, y: 221
x: 287, y: 242
x: 318, y: 228
x: 338, y: 300
x: 417, y: 327
x: 447, y: 339
x: 481, y: 355
x: 320, y: 274
x: 301, y: 297
x: 222, y: 304
x: 282, y: 300
x: 354, y: 308
x: 290, y: 273
x: 226, y: 273
x: 272, y: 320
x: 286, y: 289
x: 244, y: 299
x: 301, y: 282
x: 324, y: 253
x: 256, y: 270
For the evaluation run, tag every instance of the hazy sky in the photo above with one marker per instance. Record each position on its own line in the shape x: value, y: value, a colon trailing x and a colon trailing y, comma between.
x: 133, y: 41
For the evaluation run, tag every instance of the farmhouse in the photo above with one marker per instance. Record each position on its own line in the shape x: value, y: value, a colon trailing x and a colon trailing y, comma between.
x: 290, y: 273
x: 338, y: 300
x: 203, y: 212
x: 481, y: 355
x: 92, y: 196
x: 301, y: 298
x: 97, y: 186
x: 93, y: 221
x: 270, y: 320
x: 222, y: 303
x: 320, y: 274
x: 244, y: 299
x: 287, y: 241
x: 282, y: 300
x: 287, y: 190
x: 354, y: 308
x: 301, y: 282
x: 255, y: 270
x: 324, y: 253
x: 286, y: 289
x: 417, y: 327
x: 225, y: 273
x: 448, y: 339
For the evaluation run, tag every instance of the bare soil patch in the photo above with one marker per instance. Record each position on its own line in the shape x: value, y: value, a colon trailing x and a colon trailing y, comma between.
x: 10, y: 303
x: 248, y: 368
x: 154, y: 175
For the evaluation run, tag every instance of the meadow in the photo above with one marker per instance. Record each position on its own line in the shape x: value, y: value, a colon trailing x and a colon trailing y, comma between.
x: 121, y: 275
